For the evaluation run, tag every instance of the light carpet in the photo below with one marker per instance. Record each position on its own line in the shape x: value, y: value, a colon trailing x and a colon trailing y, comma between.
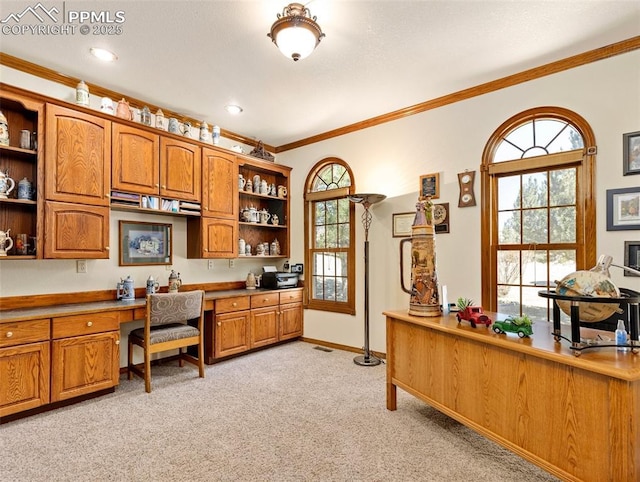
x: 287, y: 413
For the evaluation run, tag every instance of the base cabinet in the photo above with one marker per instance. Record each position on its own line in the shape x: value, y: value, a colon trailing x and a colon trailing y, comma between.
x: 290, y: 321
x: 85, y: 354
x: 231, y: 333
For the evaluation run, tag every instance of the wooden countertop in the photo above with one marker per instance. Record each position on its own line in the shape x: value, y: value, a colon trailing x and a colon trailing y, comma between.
x: 22, y: 314
x: 606, y: 360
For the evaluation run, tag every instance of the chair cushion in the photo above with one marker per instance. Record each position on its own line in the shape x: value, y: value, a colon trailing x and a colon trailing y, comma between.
x: 164, y: 333
x: 169, y: 308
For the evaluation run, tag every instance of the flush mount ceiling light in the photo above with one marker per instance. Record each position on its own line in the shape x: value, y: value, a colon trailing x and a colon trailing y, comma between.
x: 296, y: 32
x: 103, y: 54
x: 233, y: 109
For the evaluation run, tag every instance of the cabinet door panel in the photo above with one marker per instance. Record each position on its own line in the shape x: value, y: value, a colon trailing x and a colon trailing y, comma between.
x: 212, y: 238
x: 24, y: 372
x: 84, y: 364
x: 264, y: 327
x: 76, y: 231
x: 135, y: 160
x: 290, y: 321
x: 77, y: 157
x: 219, y: 185
x: 180, y: 170
x: 231, y: 333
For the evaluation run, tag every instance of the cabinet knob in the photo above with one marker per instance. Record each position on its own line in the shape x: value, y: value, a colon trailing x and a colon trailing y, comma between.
x: 9, y: 334
x: 206, y: 250
x: 164, y: 186
x: 107, y: 248
x: 219, y: 324
x: 117, y: 342
x: 89, y: 323
x: 265, y: 300
x: 157, y: 185
x: 107, y: 195
x: 234, y: 304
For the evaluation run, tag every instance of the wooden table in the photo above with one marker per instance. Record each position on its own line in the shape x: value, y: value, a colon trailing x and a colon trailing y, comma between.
x: 576, y: 417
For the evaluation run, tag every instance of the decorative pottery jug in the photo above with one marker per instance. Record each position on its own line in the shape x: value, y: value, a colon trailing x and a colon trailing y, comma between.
x: 4, y: 130
x: 273, y: 190
x: 106, y: 106
x: 216, y: 134
x: 264, y: 187
x: 241, y: 246
x: 248, y: 186
x: 246, y: 215
x: 6, y: 185
x: 241, y: 182
x: 247, y: 250
x: 145, y: 116
x: 160, y: 120
x: 123, y: 110
x: 174, y: 126
x: 424, y: 299
x: 6, y: 243
x: 204, y: 132
x: 275, y: 220
x: 260, y: 249
x: 275, y: 247
x: 256, y: 183
x: 250, y: 283
x: 264, y: 216
x: 124, y: 290
x: 82, y: 94
x: 185, y: 128
x: 25, y: 189
x: 152, y: 286
x: 174, y: 282
x: 282, y: 191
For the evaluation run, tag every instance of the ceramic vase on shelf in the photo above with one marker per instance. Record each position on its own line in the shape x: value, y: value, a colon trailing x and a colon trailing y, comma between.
x: 4, y: 130
x: 82, y: 94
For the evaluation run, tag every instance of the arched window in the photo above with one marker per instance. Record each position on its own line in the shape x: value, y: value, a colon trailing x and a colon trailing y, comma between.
x: 329, y: 235
x: 538, y: 212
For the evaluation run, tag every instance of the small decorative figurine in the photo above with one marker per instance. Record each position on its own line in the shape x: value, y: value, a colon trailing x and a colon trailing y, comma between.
x: 152, y: 286
x: 251, y: 281
x: 6, y: 185
x: 160, y: 120
x: 145, y: 116
x: 204, y: 132
x: 82, y: 94
x: 472, y: 314
x: 260, y: 152
x: 514, y: 324
x: 125, y: 290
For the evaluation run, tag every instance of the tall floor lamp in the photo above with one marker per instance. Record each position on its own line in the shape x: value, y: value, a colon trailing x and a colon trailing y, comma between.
x: 366, y: 200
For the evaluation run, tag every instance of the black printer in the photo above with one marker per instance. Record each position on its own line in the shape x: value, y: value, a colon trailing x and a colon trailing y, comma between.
x: 273, y: 280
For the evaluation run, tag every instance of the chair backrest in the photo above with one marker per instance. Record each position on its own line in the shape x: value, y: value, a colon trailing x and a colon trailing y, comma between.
x: 164, y: 308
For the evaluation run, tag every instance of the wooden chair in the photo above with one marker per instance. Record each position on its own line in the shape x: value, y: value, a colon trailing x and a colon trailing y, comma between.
x: 166, y: 327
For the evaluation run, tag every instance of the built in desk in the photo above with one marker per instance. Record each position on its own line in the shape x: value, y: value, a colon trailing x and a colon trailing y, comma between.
x: 576, y: 417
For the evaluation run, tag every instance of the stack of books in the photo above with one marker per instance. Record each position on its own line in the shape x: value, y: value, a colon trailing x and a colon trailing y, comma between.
x: 125, y: 199
x: 189, y: 208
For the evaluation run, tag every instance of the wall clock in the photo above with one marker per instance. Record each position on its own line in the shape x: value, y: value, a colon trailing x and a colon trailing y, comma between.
x: 467, y: 197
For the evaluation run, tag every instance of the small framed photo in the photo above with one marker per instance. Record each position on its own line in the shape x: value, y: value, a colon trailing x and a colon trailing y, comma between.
x: 631, y: 153
x: 430, y: 186
x: 623, y: 209
x: 632, y: 257
x: 402, y: 223
x: 145, y: 243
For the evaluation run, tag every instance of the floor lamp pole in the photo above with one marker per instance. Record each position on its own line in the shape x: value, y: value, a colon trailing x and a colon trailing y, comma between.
x: 366, y: 200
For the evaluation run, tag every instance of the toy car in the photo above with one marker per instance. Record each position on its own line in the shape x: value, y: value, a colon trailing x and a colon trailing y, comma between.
x: 519, y: 325
x: 474, y: 315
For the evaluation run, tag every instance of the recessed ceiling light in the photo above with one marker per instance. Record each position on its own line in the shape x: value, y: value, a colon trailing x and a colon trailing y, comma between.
x: 103, y: 54
x: 233, y: 109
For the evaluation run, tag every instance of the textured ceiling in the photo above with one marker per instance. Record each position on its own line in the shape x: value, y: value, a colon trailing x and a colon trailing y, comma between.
x: 194, y: 57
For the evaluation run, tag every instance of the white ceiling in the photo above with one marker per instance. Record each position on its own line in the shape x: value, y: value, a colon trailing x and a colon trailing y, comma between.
x: 194, y: 57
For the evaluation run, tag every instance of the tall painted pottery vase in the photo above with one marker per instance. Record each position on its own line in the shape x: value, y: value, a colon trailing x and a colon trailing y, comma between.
x: 424, y: 300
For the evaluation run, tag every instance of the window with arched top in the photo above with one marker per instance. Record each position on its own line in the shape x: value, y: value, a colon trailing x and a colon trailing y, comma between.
x: 329, y: 237
x: 538, y: 211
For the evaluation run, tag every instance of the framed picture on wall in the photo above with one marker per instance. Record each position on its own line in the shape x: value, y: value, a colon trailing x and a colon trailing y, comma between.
x: 441, y: 218
x: 430, y: 186
x: 402, y: 223
x: 632, y: 256
x: 623, y: 208
x: 631, y: 153
x: 144, y: 243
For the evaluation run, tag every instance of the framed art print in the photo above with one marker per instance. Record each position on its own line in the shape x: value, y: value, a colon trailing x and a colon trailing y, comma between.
x: 631, y: 153
x: 144, y: 243
x: 623, y: 206
x: 402, y: 223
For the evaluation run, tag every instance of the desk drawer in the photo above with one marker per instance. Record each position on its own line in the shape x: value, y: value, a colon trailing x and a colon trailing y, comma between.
x: 265, y: 299
x: 228, y: 305
x: 76, y: 325
x: 291, y: 297
x: 22, y: 332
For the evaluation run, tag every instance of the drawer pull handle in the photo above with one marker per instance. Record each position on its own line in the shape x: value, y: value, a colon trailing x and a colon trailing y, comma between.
x: 89, y: 323
x: 234, y: 304
x: 117, y: 342
x: 265, y: 300
x: 9, y: 334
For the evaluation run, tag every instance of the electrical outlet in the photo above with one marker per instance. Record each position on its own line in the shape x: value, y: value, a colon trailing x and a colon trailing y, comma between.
x: 210, y: 264
x: 81, y: 266
x: 232, y: 263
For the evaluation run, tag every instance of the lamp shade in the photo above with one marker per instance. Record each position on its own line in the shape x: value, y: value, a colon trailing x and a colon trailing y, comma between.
x: 296, y: 33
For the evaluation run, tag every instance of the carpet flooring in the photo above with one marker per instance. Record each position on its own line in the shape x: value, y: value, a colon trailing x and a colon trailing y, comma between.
x: 287, y: 413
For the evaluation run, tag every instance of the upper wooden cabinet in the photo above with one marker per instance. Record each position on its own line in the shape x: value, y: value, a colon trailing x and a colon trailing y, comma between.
x: 147, y: 163
x: 135, y: 165
x: 180, y: 169
x: 219, y: 184
x: 77, y: 157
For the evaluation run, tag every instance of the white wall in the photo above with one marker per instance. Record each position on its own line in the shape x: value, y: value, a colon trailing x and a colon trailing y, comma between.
x: 389, y: 159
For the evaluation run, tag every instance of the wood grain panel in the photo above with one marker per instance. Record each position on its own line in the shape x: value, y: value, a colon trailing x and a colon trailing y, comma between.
x: 76, y: 231
x: 264, y: 327
x: 180, y: 169
x: 576, y: 423
x: 24, y: 332
x: 85, y: 324
x: 219, y: 184
x: 135, y: 164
